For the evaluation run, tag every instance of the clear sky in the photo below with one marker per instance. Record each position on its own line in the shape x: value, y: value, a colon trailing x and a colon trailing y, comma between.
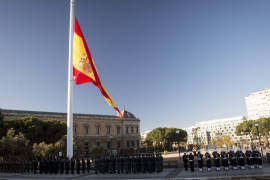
x: 171, y: 63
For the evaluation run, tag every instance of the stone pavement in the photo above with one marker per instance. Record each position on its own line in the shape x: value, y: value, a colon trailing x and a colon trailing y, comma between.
x: 162, y: 175
x: 230, y: 174
x: 177, y: 173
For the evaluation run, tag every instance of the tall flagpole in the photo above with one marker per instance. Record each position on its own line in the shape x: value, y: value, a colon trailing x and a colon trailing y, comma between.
x: 70, y: 84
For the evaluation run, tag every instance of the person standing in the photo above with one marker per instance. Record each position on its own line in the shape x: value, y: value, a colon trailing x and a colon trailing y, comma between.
x: 191, y: 161
x: 185, y: 161
x: 200, y: 160
x: 232, y: 159
x: 208, y: 160
x: 216, y: 159
x: 224, y: 160
x: 88, y: 165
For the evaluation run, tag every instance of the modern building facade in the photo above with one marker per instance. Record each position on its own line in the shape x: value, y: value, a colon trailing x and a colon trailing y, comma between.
x: 258, y: 104
x: 109, y: 132
x: 209, y: 130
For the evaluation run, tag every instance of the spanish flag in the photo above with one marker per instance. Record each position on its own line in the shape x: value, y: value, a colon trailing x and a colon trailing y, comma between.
x: 84, y: 69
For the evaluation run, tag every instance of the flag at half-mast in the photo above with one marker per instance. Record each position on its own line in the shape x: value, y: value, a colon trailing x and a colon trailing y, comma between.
x: 84, y: 69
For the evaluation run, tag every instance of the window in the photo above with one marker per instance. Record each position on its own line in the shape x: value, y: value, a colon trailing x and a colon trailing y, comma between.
x: 132, y: 129
x: 128, y: 144
x: 132, y: 143
x: 86, y: 146
x: 108, y: 144
x: 119, y: 144
x: 137, y: 130
x: 86, y: 129
x: 118, y: 130
x: 98, y: 143
x: 108, y: 128
x: 126, y: 129
x: 138, y: 143
x: 97, y: 129
x: 75, y: 129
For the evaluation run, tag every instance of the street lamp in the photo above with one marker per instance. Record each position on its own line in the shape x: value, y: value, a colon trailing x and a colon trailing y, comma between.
x: 258, y: 133
x: 178, y: 132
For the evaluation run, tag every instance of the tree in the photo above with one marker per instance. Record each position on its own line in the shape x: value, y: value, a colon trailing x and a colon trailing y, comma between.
x: 244, y: 128
x: 15, y: 146
x: 164, y: 137
x: 2, y: 132
x: 227, y: 141
x: 37, y: 131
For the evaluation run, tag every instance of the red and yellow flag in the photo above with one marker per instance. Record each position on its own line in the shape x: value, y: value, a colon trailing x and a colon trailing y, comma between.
x: 84, y: 69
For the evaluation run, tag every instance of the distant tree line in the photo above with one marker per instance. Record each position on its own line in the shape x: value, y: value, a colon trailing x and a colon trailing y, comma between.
x: 248, y: 128
x: 163, y: 138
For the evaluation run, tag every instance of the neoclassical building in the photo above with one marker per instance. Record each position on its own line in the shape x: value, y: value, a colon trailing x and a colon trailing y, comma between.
x: 109, y: 132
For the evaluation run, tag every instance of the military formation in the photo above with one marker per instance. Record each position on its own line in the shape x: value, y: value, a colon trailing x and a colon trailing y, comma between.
x: 129, y: 164
x: 223, y: 160
x: 149, y: 163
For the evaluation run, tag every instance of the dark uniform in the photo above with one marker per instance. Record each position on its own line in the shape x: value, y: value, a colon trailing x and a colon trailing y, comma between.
x: 248, y: 158
x: 67, y: 165
x: 72, y: 165
x: 191, y: 161
x: 208, y: 161
x: 78, y: 166
x: 241, y: 159
x: 224, y: 160
x: 259, y: 156
x: 83, y: 165
x: 216, y: 160
x: 232, y: 159
x: 200, y: 160
x: 97, y: 164
x: 88, y: 165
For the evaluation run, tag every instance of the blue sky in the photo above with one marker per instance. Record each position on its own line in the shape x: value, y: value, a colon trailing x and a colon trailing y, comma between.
x: 171, y: 63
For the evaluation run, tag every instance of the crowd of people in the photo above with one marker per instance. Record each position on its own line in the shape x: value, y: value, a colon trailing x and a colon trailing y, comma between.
x: 148, y: 163
x: 223, y: 160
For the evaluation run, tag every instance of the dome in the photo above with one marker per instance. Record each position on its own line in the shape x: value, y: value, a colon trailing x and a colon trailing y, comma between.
x: 127, y: 114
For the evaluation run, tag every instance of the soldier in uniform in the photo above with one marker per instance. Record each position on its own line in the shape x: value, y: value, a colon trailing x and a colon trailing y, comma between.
x: 200, y: 160
x: 208, y: 160
x: 143, y: 163
x: 191, y: 161
x: 35, y: 165
x: 72, y: 165
x: 232, y: 159
x: 224, y: 160
x: 67, y: 165
x: 241, y: 160
x: 248, y: 157
x: 259, y: 159
x: 96, y: 164
x: 41, y: 166
x: 78, y: 166
x: 83, y: 165
x: 88, y: 165
x: 216, y: 159
x: 62, y: 166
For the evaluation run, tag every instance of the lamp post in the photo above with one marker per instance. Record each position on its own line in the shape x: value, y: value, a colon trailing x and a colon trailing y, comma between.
x: 178, y: 132
x: 258, y: 133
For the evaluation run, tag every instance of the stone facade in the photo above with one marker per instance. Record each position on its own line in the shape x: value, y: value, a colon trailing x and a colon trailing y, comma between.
x: 109, y: 132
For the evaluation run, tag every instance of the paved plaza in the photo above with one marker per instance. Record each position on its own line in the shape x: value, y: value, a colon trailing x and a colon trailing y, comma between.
x: 168, y: 173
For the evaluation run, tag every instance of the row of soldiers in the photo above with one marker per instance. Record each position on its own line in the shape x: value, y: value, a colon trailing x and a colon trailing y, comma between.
x: 114, y: 164
x: 236, y: 159
x: 18, y: 166
x: 129, y: 164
